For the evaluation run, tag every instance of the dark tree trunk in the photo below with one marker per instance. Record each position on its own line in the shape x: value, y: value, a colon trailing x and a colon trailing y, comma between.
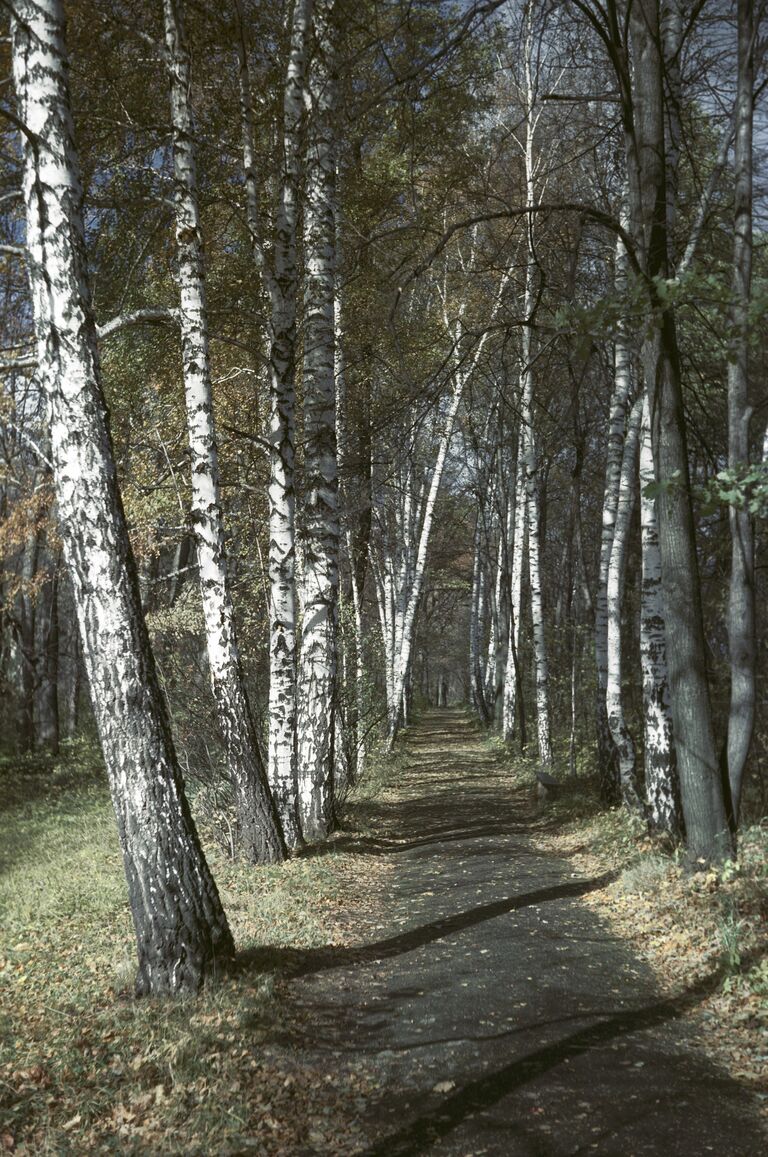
x: 706, y: 824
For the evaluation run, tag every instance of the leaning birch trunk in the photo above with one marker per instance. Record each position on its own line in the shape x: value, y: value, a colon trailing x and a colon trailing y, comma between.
x: 741, y: 591
x: 181, y: 930
x: 281, y: 280
x: 403, y: 655
x: 661, y: 787
x: 614, y: 598
x: 320, y: 513
x: 260, y: 835
x: 616, y: 424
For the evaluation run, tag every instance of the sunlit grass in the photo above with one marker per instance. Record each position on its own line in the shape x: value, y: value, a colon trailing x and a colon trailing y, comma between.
x: 86, y: 1068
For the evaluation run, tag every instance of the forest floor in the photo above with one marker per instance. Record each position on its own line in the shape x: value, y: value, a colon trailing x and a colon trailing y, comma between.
x: 459, y: 971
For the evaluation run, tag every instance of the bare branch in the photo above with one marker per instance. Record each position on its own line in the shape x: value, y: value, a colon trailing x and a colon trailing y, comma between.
x: 157, y: 315
x: 16, y: 364
x: 257, y: 439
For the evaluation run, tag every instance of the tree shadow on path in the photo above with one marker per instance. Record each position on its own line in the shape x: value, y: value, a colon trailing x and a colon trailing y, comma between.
x: 295, y: 962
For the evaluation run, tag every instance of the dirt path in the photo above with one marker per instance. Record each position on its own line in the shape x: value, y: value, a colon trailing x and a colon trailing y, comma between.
x: 498, y: 1016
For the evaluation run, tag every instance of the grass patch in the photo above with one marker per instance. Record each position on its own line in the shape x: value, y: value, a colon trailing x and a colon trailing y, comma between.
x: 86, y: 1068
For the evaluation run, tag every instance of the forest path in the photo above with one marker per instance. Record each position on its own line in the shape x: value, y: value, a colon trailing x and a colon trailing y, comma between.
x: 497, y: 1013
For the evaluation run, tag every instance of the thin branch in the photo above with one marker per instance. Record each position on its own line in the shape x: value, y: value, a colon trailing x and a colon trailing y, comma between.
x: 12, y: 367
x: 602, y: 218
x: 157, y: 315
x: 31, y: 443
x: 257, y: 439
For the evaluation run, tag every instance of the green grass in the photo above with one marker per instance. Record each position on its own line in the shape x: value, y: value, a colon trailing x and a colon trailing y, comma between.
x: 86, y: 1068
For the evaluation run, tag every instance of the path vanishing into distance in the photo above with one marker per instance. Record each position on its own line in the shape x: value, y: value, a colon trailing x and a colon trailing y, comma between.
x: 498, y: 1013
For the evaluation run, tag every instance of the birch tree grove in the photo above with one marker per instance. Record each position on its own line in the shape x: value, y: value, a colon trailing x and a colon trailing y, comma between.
x: 181, y: 930
x: 421, y: 348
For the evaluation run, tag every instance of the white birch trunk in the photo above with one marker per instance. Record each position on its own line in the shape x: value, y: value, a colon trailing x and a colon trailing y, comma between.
x: 408, y: 610
x: 511, y: 674
x: 661, y: 788
x: 281, y: 281
x: 622, y: 383
x: 181, y: 930
x: 260, y: 835
x: 320, y: 514
x: 476, y: 619
x: 543, y: 727
x: 530, y: 456
x: 614, y: 597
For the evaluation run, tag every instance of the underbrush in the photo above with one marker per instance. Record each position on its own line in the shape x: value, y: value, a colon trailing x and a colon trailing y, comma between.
x: 86, y: 1068
x: 707, y: 928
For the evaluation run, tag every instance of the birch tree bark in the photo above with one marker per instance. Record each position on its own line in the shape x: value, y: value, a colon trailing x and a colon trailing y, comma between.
x: 476, y: 620
x: 281, y: 281
x: 181, y: 930
x: 622, y: 381
x: 530, y: 456
x: 512, y: 682
x: 411, y: 591
x: 706, y: 822
x: 320, y: 514
x: 614, y: 596
x: 661, y: 788
x: 741, y: 592
x: 260, y: 835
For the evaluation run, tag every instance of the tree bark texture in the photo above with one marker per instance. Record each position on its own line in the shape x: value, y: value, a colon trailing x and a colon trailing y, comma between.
x: 742, y: 649
x: 622, y: 381
x: 181, y: 930
x: 706, y: 824
x: 614, y: 596
x: 281, y: 280
x: 319, y: 511
x: 662, y: 790
x: 260, y: 835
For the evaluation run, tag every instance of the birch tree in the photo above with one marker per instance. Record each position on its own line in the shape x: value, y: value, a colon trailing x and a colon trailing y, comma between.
x: 181, y: 930
x: 661, y: 787
x: 279, y: 273
x: 614, y: 597
x: 622, y: 380
x: 260, y: 835
x: 741, y: 592
x: 466, y: 355
x: 512, y: 707
x: 702, y: 796
x: 527, y: 427
x: 319, y: 512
